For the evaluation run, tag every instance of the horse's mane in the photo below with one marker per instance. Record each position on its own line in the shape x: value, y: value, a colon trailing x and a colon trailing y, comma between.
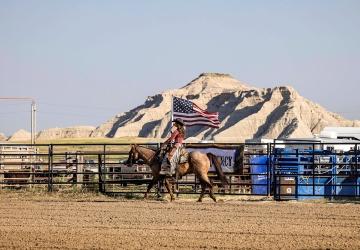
x: 150, y: 148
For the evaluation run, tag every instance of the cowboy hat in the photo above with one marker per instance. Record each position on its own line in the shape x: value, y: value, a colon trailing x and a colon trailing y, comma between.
x: 179, y: 121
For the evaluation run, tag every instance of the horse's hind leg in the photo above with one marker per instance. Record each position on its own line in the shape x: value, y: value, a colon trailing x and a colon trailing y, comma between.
x: 203, y: 189
x: 169, y: 189
x: 206, y: 181
x: 212, y: 194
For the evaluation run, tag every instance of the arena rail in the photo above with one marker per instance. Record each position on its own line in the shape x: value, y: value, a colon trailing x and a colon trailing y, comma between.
x: 291, y: 170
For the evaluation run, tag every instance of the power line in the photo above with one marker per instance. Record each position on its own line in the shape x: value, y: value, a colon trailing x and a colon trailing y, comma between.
x: 77, y: 106
x: 65, y: 114
x: 13, y: 112
x: 33, y: 113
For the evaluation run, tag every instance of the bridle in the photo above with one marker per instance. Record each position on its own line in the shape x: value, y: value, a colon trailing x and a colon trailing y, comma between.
x: 134, y: 156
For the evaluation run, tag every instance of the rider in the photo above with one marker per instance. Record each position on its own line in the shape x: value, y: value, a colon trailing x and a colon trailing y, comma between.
x: 175, y: 142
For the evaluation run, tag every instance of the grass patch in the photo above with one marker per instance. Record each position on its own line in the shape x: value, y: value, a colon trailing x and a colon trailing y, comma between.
x: 90, y: 140
x: 71, y: 195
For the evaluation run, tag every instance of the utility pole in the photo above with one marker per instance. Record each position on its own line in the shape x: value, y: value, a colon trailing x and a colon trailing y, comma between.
x: 33, y: 121
x: 32, y: 116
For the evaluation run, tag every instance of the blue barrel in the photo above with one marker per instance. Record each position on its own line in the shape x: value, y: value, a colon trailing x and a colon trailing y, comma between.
x: 259, y: 178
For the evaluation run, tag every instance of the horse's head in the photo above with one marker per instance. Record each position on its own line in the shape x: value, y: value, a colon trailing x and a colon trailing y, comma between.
x: 141, y: 153
x: 133, y: 155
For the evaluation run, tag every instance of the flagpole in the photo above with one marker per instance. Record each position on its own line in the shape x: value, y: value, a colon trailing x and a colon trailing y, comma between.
x: 171, y: 116
x: 172, y: 108
x: 172, y: 113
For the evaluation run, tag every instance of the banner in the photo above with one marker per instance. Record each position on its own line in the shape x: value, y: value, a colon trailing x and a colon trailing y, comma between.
x: 227, y: 157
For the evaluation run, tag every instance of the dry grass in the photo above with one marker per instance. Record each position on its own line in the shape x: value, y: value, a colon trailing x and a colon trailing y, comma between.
x: 90, y: 140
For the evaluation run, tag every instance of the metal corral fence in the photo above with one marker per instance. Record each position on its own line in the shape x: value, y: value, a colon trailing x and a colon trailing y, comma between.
x: 297, y: 170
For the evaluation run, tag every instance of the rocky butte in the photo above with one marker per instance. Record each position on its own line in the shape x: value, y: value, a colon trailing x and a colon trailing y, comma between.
x: 245, y: 112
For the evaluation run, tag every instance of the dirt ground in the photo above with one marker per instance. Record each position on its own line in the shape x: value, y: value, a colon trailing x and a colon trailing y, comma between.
x: 89, y: 221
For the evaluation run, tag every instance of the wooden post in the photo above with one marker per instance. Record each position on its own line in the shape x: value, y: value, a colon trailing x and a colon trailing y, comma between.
x: 1, y: 177
x: 1, y: 170
x: 79, y: 169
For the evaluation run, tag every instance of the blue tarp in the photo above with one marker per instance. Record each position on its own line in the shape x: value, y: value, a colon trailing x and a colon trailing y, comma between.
x: 259, y: 178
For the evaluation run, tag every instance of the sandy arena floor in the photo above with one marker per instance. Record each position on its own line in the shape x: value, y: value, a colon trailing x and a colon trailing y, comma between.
x: 86, y: 221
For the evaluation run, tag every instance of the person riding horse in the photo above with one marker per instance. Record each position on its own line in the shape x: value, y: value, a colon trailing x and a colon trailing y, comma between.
x: 173, y: 145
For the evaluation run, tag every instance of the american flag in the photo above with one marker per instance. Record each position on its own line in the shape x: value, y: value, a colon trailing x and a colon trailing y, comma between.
x: 192, y: 114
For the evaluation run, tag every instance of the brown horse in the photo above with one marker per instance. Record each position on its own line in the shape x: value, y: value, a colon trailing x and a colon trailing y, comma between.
x: 198, y: 163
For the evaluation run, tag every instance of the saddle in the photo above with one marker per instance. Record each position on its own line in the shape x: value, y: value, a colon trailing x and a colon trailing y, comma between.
x: 182, y: 158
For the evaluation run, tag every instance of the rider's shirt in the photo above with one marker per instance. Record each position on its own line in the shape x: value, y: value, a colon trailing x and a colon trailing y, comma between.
x: 176, y: 138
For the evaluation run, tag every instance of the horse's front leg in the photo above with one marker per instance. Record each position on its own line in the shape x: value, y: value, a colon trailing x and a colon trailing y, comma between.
x: 151, y: 184
x: 160, y: 181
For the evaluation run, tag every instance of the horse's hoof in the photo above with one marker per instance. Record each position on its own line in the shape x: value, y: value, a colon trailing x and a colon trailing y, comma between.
x: 162, y: 199
x: 199, y: 200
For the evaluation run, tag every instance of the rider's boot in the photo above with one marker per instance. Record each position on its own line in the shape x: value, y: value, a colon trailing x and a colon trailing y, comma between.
x: 165, y: 167
x: 172, y: 169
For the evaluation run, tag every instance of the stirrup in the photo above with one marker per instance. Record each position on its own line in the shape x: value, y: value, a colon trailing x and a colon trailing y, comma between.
x: 164, y: 171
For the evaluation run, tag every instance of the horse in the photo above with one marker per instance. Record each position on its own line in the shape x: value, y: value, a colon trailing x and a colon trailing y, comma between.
x: 198, y: 163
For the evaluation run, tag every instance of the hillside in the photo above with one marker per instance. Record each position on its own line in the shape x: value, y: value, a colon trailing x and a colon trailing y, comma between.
x: 20, y: 135
x: 2, y: 137
x: 245, y: 112
x: 62, y: 133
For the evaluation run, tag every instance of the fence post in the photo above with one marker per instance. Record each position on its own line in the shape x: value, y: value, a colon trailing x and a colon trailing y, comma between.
x: 313, y: 168
x: 357, y: 171
x: 100, y: 174
x: 268, y: 166
x: 104, y: 172
x: 272, y: 173
x: 79, y: 169
x: 50, y: 168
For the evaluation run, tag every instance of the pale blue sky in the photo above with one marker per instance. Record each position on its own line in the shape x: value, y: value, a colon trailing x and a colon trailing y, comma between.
x: 85, y: 61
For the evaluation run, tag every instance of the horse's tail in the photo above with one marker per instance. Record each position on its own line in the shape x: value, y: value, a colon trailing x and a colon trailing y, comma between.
x: 215, y: 160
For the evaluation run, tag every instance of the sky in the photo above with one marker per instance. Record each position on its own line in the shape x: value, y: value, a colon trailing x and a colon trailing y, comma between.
x: 85, y: 61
